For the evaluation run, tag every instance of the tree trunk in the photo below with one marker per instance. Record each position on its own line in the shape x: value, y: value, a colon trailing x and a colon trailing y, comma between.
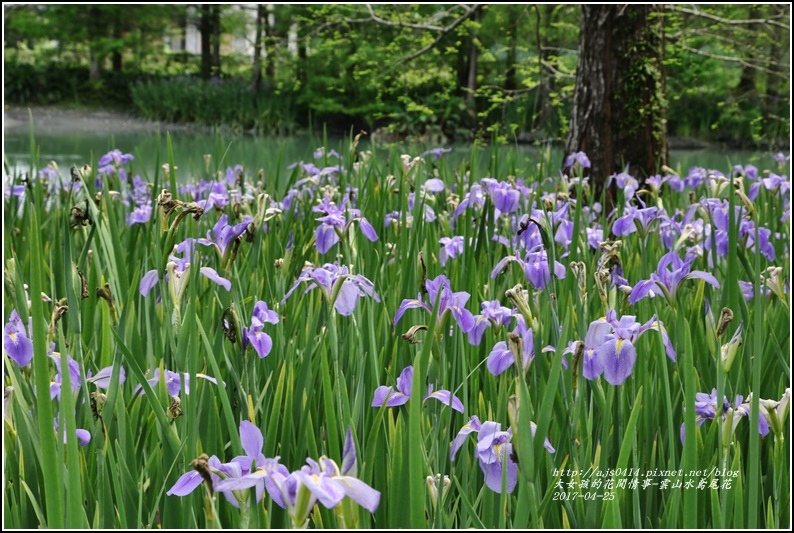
x: 116, y: 59
x: 256, y: 76
x: 618, y: 115
x: 205, y: 28
x: 543, y: 112
x: 467, y: 72
x: 216, y: 40
x: 94, y: 66
x: 272, y: 37
x: 775, y: 106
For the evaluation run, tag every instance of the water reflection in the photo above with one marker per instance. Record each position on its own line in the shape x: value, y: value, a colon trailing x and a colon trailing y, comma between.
x: 274, y: 155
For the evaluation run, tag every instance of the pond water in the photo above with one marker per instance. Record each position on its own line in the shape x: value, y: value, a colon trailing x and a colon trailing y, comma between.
x: 274, y: 155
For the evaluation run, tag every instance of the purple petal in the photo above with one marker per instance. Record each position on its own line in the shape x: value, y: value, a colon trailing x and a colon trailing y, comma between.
x: 382, y: 394
x: 500, y: 358
x: 409, y: 304
x: 264, y: 314
x: 347, y: 298
x: 213, y: 276
x: 591, y: 367
x: 444, y: 397
x: 349, y: 455
x: 102, y: 378
x: 367, y: 229
x: 261, y: 342
x: 83, y: 437
x: 325, y: 237
x: 434, y: 185
x: 18, y: 347
x: 389, y: 396
x: 493, y: 473
x: 148, y: 281
x: 705, y: 276
x: 241, y: 483
x: 473, y: 425
x: 642, y: 289
x: 546, y: 442
x: 405, y: 380
x: 617, y: 357
x: 328, y: 491
x: 360, y: 492
x: 186, y: 484
x: 481, y: 323
x: 251, y: 439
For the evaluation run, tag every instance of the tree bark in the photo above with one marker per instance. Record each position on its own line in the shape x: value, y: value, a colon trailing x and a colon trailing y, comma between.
x: 205, y: 28
x: 256, y: 76
x: 216, y: 40
x: 618, y: 116
x: 272, y: 37
x: 774, y: 104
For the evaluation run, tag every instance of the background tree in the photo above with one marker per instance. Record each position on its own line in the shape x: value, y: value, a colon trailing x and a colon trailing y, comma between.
x: 438, y: 72
x: 618, y: 115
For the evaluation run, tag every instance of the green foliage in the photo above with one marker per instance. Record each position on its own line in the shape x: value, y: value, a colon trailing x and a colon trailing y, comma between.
x: 406, y: 68
x: 229, y: 102
x: 26, y: 84
x: 320, y: 377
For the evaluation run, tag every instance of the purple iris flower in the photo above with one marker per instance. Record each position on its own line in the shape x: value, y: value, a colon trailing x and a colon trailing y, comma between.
x: 83, y: 436
x: 706, y: 406
x: 609, y: 346
x: 74, y: 375
x: 449, y: 302
x: 255, y: 336
x: 16, y: 342
x: 429, y: 214
x: 436, y: 152
x: 327, y: 483
x: 535, y: 265
x: 148, y: 281
x: 213, y: 276
x: 626, y: 182
x: 190, y: 481
x: 218, y: 197
x: 502, y: 356
x: 503, y: 195
x: 140, y: 215
x: 493, y: 313
x: 474, y: 197
x: 634, y: 218
x: 321, y: 481
x: 579, y: 158
x: 595, y: 236
x: 110, y: 164
x: 672, y: 270
x: 115, y: 157
x: 772, y: 183
x: 749, y: 171
x: 225, y: 475
x: 696, y: 177
x: 781, y: 158
x: 102, y: 378
x: 335, y: 223
x: 173, y: 382
x: 341, y: 289
x: 450, y: 248
x: 223, y: 235
x: 320, y: 152
x: 494, y: 451
x: 394, y: 398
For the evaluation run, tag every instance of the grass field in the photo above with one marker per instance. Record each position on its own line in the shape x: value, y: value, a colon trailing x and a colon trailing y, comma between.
x: 249, y: 350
